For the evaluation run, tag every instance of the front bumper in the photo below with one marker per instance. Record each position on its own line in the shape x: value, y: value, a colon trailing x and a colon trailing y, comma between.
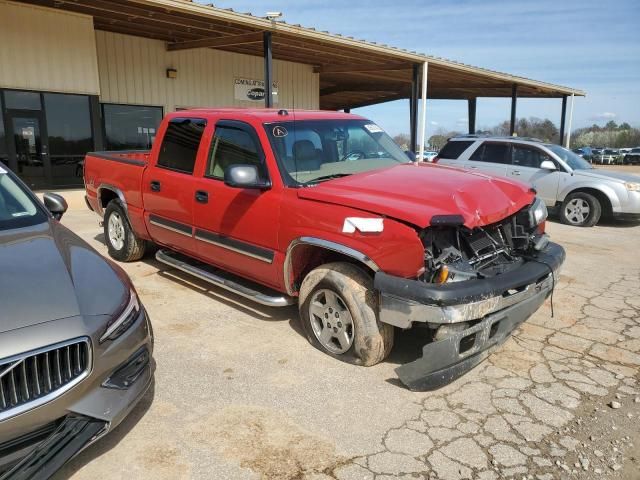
x: 494, y: 307
x: 35, y: 444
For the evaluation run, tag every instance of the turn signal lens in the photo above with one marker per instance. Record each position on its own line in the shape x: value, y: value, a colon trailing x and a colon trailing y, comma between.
x: 443, y: 275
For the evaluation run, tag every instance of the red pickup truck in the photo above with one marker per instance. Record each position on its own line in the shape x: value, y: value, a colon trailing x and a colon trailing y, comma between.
x: 324, y: 210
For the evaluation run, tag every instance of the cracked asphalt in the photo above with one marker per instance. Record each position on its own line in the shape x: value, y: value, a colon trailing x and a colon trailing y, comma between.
x: 239, y: 393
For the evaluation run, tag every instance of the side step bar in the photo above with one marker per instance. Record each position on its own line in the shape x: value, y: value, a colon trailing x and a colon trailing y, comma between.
x: 222, y: 279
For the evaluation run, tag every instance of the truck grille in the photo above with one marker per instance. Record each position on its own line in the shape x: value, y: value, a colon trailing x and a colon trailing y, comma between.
x: 34, y: 378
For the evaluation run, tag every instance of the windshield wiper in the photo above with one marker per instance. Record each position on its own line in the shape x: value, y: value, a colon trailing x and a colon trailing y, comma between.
x: 326, y: 177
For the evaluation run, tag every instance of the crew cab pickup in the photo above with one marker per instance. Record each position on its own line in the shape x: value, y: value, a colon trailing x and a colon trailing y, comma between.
x: 324, y: 210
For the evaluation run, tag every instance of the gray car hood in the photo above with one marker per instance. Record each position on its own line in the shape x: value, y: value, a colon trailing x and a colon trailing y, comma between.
x: 600, y: 173
x: 48, y: 273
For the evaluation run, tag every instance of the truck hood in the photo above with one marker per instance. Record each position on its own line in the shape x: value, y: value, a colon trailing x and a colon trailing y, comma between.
x: 414, y: 193
x: 601, y: 173
x: 48, y: 273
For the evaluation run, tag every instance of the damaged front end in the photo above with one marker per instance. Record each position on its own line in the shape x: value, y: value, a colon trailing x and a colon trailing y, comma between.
x: 478, y: 285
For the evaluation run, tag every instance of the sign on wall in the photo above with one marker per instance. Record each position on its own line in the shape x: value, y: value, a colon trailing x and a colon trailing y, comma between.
x: 252, y: 90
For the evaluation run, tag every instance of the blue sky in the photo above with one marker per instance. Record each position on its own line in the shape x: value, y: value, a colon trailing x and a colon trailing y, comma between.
x: 593, y: 45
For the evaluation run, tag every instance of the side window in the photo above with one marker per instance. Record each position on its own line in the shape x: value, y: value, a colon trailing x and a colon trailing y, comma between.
x: 525, y: 156
x: 453, y: 149
x: 180, y: 144
x: 232, y: 146
x: 492, y: 153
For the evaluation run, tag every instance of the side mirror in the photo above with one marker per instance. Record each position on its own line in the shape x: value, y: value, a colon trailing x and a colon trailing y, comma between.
x: 244, y: 176
x: 56, y: 204
x: 548, y: 165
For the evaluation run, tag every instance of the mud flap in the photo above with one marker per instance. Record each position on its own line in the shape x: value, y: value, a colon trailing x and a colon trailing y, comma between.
x: 445, y: 360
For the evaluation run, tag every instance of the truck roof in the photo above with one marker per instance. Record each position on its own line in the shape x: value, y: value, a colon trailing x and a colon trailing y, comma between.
x: 264, y: 115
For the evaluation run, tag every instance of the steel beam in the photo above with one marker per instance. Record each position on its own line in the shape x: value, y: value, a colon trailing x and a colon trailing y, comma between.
x: 472, y: 114
x: 563, y: 116
x: 268, y: 70
x: 514, y: 100
x: 413, y: 107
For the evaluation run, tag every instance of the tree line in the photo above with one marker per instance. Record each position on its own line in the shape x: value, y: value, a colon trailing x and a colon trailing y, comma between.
x: 610, y: 135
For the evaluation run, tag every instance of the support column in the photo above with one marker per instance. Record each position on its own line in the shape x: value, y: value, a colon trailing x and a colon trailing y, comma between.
x: 423, y: 113
x: 472, y: 115
x: 347, y: 110
x: 563, y: 116
x: 570, y: 122
x: 514, y: 100
x: 413, y: 107
x: 268, y: 70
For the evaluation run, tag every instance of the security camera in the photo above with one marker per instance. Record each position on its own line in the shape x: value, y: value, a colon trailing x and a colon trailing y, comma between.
x: 273, y: 15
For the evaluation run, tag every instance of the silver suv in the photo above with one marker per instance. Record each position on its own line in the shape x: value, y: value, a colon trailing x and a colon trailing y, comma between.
x: 567, y: 183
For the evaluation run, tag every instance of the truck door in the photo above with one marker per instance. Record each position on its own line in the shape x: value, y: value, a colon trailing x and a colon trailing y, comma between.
x: 525, y: 166
x: 169, y: 187
x: 490, y: 157
x: 236, y: 229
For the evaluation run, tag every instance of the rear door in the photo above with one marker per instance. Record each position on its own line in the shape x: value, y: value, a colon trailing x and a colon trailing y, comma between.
x: 525, y: 166
x: 168, y: 186
x: 237, y: 229
x: 490, y: 157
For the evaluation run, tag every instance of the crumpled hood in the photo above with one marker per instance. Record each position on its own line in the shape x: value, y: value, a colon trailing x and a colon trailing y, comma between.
x: 599, y: 173
x: 48, y: 273
x: 414, y: 193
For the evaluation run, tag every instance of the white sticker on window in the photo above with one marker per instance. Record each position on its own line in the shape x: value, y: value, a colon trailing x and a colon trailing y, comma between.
x: 280, y: 131
x: 365, y: 225
x: 373, y: 128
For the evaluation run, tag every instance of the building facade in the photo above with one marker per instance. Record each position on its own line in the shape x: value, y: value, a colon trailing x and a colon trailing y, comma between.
x: 67, y: 88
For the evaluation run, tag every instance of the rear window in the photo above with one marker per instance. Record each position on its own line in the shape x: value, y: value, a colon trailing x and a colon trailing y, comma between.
x: 180, y: 144
x: 453, y: 149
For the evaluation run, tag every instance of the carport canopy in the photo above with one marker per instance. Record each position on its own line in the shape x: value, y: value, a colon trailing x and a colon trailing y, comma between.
x: 353, y: 73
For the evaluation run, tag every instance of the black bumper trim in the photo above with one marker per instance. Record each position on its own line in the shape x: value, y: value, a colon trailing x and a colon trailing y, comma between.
x: 442, y: 362
x: 457, y: 293
x: 73, y: 434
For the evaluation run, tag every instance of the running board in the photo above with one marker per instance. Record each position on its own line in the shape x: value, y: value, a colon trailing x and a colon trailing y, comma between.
x: 222, y: 279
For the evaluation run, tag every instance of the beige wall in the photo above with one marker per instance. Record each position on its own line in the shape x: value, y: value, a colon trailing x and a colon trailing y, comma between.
x: 45, y: 49
x: 133, y: 70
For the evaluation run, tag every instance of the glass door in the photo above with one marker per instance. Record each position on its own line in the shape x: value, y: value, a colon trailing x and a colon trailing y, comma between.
x: 31, y: 148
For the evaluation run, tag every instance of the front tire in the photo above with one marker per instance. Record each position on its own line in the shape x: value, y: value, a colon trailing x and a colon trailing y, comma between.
x: 338, y: 310
x: 580, y: 209
x: 122, y: 242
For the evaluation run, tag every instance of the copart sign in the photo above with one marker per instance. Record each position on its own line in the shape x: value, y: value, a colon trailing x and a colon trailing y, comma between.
x: 249, y: 90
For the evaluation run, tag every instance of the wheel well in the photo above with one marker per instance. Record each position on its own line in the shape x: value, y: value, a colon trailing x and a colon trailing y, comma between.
x: 605, y: 203
x: 106, y: 196
x: 304, y: 258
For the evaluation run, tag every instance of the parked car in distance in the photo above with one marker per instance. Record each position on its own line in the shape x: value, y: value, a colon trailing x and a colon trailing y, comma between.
x: 584, y: 152
x: 75, y: 341
x: 429, y: 155
x: 567, y: 183
x: 633, y: 157
x: 324, y: 210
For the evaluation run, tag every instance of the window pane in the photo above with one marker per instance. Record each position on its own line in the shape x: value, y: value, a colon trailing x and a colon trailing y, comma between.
x: 180, y: 144
x: 130, y: 127
x: 495, y: 153
x: 22, y: 100
x: 3, y: 145
x: 452, y: 150
x: 70, y: 136
x: 527, y: 156
x: 232, y: 146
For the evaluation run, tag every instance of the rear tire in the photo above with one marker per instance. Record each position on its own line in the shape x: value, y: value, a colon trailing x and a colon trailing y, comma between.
x: 122, y: 242
x: 580, y: 209
x: 338, y: 310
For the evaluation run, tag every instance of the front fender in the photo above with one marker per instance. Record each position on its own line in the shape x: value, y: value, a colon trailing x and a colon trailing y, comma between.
x: 605, y: 189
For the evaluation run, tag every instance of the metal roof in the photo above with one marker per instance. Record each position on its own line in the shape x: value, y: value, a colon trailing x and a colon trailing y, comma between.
x: 353, y: 72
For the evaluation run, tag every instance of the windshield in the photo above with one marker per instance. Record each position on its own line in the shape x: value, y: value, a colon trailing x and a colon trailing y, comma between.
x: 16, y: 207
x: 312, y: 151
x: 574, y: 161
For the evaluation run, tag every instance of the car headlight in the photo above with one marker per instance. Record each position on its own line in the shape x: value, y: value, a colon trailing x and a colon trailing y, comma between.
x: 632, y: 186
x: 122, y: 321
x: 538, y: 212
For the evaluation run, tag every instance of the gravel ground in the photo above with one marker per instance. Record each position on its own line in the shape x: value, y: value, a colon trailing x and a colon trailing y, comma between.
x: 239, y: 393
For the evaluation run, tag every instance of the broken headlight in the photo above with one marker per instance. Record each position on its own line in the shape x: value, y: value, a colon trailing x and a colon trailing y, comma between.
x: 538, y: 212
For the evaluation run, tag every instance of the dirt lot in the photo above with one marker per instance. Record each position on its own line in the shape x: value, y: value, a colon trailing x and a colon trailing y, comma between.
x: 239, y: 393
